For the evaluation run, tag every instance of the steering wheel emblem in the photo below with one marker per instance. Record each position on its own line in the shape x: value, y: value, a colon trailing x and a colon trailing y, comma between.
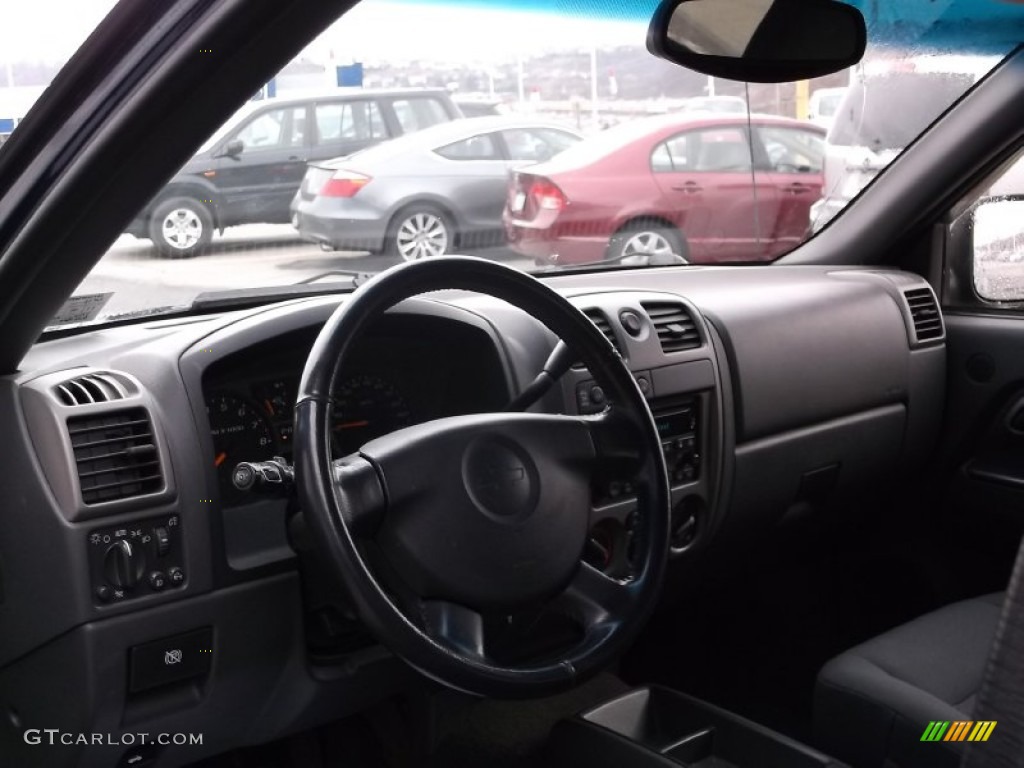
x: 500, y: 478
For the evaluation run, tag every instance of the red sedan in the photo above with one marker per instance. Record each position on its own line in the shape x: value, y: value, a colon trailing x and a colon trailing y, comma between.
x: 708, y: 188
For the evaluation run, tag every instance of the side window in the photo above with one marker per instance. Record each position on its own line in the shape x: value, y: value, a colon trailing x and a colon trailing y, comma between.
x: 661, y: 160
x: 417, y: 112
x: 481, y: 147
x: 992, y: 233
x: 719, y: 150
x: 274, y: 129
x: 791, y: 150
x: 349, y: 120
x: 713, y: 150
x: 536, y: 144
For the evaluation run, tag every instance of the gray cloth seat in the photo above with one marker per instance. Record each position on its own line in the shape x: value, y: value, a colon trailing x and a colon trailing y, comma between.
x: 873, y: 702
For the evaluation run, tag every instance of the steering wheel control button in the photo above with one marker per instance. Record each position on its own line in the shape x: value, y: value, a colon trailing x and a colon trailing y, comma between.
x: 500, y: 478
x: 244, y: 477
x: 104, y: 593
x: 176, y: 576
x: 157, y: 580
x: 597, y: 396
x: 631, y: 322
x: 170, y: 660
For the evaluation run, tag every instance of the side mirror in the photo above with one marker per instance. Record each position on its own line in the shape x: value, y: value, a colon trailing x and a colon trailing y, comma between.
x: 997, y: 240
x: 232, y: 149
x: 759, y: 41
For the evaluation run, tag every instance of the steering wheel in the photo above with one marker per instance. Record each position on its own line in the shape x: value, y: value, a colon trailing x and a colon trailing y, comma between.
x: 436, y: 527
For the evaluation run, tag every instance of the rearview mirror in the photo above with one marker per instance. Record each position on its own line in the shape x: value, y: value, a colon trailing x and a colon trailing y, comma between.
x: 759, y: 41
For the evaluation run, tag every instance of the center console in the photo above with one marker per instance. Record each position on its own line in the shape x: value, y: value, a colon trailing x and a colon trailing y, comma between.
x: 662, y: 728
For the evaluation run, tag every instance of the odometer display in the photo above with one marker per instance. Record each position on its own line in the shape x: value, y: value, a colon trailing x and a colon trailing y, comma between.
x: 367, y: 407
x: 240, y: 433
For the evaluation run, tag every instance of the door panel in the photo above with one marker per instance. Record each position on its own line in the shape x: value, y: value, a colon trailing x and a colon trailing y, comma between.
x: 795, y: 158
x: 979, y: 470
x: 709, y: 191
x: 258, y: 184
x: 475, y: 180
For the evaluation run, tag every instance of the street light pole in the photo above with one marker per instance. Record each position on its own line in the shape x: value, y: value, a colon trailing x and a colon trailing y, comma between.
x: 593, y: 84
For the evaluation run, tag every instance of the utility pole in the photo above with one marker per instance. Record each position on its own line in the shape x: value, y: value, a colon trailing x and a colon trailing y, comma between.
x: 593, y: 84
x: 711, y: 85
x: 522, y: 85
x: 10, y: 73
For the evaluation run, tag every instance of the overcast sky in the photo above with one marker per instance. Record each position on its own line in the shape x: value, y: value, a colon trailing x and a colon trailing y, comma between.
x: 51, y: 30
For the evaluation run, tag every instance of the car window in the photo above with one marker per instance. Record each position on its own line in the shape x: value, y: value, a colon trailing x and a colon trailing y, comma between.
x: 791, y: 150
x: 719, y: 150
x: 349, y: 120
x: 536, y: 144
x: 274, y: 129
x: 416, y: 113
x: 266, y: 220
x: 483, y: 147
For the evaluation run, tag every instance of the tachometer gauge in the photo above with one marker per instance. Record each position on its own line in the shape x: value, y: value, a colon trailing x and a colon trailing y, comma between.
x: 367, y: 407
x: 240, y: 433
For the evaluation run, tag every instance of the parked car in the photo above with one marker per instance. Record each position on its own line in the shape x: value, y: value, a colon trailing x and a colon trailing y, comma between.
x: 425, y: 194
x: 823, y: 105
x: 249, y: 171
x: 881, y: 112
x: 480, y: 107
x: 693, y: 186
x: 733, y: 105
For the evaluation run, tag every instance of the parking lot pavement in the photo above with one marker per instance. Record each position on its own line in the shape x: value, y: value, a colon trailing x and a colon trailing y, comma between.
x: 244, y: 257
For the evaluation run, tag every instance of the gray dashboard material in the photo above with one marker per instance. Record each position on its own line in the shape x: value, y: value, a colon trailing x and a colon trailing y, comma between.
x: 805, y: 378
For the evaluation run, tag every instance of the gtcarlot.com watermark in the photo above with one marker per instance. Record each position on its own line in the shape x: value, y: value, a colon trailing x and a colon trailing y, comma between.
x: 55, y: 736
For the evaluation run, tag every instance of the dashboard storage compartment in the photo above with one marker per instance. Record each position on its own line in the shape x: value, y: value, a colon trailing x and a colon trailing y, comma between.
x: 660, y: 727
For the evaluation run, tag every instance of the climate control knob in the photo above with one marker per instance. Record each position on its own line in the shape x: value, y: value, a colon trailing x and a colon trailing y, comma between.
x: 123, y: 564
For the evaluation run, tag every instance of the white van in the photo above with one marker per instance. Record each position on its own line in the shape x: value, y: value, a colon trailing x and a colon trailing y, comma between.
x: 881, y: 112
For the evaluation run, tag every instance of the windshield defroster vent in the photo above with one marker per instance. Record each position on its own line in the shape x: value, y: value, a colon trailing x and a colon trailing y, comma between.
x: 116, y: 455
x: 676, y: 328
x: 91, y: 388
x: 924, y: 311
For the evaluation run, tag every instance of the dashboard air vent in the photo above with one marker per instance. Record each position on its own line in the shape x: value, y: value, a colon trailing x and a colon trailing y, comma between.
x: 91, y: 388
x: 675, y: 326
x: 925, y: 313
x: 115, y: 454
x: 598, y: 318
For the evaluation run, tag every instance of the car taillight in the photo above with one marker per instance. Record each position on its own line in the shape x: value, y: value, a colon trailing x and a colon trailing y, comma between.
x: 344, y: 184
x: 547, y: 196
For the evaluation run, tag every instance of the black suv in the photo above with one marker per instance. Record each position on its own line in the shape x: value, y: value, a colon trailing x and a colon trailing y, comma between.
x: 250, y: 170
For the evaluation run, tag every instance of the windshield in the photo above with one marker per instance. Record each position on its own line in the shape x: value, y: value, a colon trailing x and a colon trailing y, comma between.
x: 551, y: 140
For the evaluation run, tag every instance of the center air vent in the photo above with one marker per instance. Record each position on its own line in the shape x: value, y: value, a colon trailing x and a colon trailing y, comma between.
x: 91, y: 388
x: 675, y: 326
x: 925, y: 313
x: 115, y: 455
x: 598, y: 318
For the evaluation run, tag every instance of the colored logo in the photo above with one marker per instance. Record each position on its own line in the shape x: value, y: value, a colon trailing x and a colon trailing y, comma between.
x: 958, y: 730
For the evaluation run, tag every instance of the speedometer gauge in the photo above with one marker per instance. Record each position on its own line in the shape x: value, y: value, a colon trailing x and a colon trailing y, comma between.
x: 240, y: 433
x: 367, y: 407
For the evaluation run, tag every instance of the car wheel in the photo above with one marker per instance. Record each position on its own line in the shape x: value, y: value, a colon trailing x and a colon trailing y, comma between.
x: 649, y: 240
x: 421, y: 232
x: 180, y: 227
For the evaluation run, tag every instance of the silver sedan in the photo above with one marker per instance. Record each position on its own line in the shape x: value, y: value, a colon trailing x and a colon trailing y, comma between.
x: 425, y: 194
